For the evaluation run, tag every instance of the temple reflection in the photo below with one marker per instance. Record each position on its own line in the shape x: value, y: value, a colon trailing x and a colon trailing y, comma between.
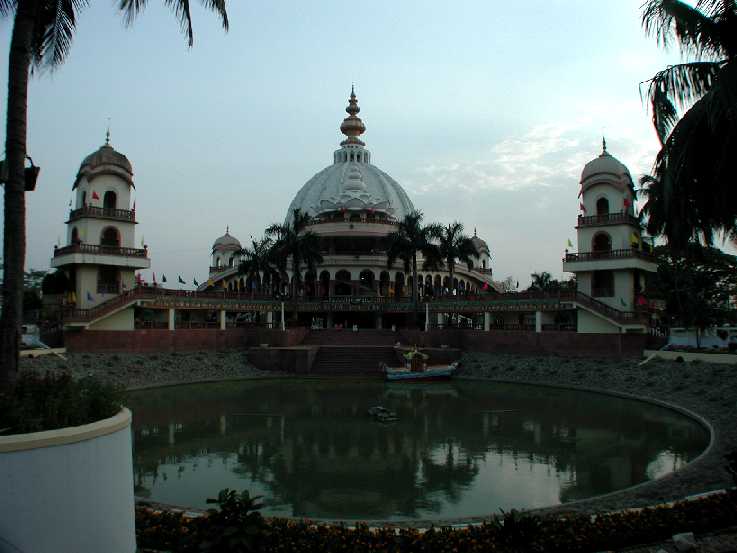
x: 458, y: 449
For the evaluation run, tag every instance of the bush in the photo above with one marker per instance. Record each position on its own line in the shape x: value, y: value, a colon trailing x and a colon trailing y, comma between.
x: 513, y: 532
x: 54, y: 400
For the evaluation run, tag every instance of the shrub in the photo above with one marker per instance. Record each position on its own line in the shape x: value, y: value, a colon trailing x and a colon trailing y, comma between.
x: 55, y: 400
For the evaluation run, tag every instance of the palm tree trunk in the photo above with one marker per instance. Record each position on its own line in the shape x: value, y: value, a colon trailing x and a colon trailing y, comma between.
x: 14, y: 235
x: 414, y: 286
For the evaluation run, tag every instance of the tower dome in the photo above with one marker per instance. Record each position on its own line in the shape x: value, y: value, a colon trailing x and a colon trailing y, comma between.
x: 606, y: 168
x: 105, y: 161
x: 226, y: 242
x: 351, y: 183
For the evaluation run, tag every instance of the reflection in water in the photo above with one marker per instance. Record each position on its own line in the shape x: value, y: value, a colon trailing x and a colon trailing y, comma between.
x: 459, y: 449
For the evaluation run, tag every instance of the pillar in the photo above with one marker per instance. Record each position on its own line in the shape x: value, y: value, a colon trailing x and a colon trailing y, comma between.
x: 487, y: 321
x: 538, y: 321
x: 222, y: 319
x: 172, y: 318
x: 441, y: 320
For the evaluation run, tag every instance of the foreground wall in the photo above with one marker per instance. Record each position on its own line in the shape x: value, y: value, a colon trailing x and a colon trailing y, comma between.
x: 68, y: 490
x: 161, y: 340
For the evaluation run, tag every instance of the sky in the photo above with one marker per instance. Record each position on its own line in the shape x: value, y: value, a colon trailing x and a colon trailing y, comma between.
x: 485, y: 112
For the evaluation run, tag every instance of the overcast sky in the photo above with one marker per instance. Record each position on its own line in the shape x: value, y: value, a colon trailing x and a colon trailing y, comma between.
x: 485, y: 112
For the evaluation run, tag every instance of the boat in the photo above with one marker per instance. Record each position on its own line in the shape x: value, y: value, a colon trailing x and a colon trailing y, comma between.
x: 432, y: 372
x: 382, y: 414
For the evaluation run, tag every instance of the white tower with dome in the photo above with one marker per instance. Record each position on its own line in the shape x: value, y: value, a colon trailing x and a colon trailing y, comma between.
x: 612, y: 262
x: 100, y: 256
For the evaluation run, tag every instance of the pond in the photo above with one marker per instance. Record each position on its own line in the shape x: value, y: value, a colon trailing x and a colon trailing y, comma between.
x: 458, y: 449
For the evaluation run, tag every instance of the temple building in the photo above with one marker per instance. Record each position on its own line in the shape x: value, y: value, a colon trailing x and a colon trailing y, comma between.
x: 353, y: 206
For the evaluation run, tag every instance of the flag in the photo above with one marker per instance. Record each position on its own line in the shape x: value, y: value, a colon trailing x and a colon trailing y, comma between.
x: 89, y: 296
x: 142, y: 242
x: 194, y: 281
x: 627, y: 203
x: 225, y: 285
x: 622, y: 302
x: 634, y: 239
x: 181, y: 280
x: 486, y: 286
x: 163, y: 278
x: 210, y: 282
x: 95, y: 195
x: 570, y: 244
x: 582, y: 207
x: 139, y: 278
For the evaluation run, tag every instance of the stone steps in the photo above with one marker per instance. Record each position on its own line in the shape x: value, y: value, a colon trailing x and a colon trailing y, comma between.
x: 353, y: 359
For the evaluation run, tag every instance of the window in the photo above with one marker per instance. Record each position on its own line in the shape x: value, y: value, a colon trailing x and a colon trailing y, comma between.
x: 108, y: 280
x: 602, y: 206
x: 109, y: 200
x: 75, y: 236
x: 110, y: 237
x: 602, y: 242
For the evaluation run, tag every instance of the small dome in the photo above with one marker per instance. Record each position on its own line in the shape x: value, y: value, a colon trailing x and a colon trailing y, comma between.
x: 105, y: 161
x: 480, y: 244
x: 226, y: 243
x: 606, y: 168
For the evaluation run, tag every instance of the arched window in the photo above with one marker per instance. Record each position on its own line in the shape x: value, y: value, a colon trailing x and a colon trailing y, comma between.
x: 108, y: 280
x: 367, y: 281
x: 110, y: 237
x: 602, y: 206
x: 384, y: 283
x: 399, y: 285
x: 110, y: 200
x: 602, y: 242
x: 75, y: 236
x: 84, y: 199
x: 230, y: 262
x: 343, y: 283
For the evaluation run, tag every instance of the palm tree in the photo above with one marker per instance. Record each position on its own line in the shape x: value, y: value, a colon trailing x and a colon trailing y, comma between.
x: 293, y: 241
x: 409, y: 239
x: 258, y: 263
x: 691, y: 193
x: 543, y: 281
x: 455, y: 247
x: 42, y: 36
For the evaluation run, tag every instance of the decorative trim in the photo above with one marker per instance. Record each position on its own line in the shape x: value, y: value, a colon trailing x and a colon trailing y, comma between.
x: 68, y: 435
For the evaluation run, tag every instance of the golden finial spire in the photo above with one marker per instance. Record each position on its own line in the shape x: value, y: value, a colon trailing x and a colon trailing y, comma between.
x: 352, y: 126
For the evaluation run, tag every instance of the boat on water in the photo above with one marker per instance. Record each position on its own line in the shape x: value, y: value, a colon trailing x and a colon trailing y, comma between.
x: 382, y: 414
x: 412, y: 374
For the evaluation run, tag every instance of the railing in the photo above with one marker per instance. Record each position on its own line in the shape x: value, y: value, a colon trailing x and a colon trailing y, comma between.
x: 607, y: 254
x: 220, y: 268
x: 100, y: 250
x: 152, y: 292
x: 607, y: 219
x: 340, y: 219
x: 104, y: 213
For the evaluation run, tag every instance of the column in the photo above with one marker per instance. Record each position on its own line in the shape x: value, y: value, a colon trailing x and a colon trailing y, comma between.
x: 172, y: 318
x: 441, y: 320
x: 487, y: 321
x: 222, y: 319
x: 538, y: 321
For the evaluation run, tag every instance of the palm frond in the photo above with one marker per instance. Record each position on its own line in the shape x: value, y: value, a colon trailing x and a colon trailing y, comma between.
x: 54, y: 29
x: 696, y: 32
x: 7, y: 7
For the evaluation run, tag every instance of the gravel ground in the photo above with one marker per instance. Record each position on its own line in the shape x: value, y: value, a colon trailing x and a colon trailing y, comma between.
x: 151, y: 369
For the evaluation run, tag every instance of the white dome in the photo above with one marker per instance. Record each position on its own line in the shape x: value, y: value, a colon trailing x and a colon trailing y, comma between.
x: 226, y: 242
x: 351, y: 186
x: 606, y: 169
x: 351, y: 183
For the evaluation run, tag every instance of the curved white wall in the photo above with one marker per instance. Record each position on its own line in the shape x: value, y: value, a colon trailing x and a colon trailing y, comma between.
x: 68, y: 490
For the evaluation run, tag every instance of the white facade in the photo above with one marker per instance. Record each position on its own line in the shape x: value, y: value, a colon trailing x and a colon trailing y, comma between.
x: 100, y: 256
x: 612, y: 261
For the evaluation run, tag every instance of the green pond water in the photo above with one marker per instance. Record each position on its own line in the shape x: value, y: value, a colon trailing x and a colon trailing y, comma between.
x: 459, y: 449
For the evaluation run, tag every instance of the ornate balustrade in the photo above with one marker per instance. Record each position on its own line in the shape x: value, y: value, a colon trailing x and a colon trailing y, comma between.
x: 608, y: 254
x: 608, y: 219
x: 100, y: 250
x: 126, y: 215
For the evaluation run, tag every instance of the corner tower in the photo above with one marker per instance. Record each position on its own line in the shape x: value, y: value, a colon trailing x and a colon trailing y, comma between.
x: 100, y: 257
x: 612, y: 262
